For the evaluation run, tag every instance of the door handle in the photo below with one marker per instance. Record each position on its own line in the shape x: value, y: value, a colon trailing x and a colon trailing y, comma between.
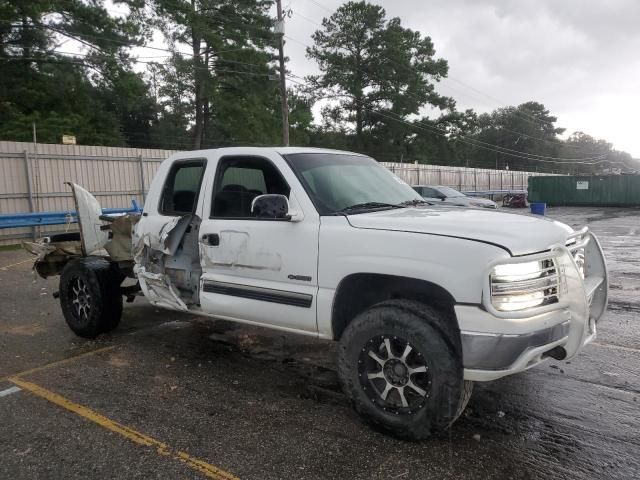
x: 212, y: 239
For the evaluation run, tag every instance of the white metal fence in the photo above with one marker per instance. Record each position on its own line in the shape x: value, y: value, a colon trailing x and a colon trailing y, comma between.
x: 32, y: 178
x: 462, y: 178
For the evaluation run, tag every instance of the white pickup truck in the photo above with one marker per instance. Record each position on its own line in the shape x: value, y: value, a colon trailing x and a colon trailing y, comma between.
x: 422, y: 299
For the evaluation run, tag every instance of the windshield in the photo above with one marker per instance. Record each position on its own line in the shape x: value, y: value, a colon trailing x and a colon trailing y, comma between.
x: 336, y: 182
x: 450, y: 192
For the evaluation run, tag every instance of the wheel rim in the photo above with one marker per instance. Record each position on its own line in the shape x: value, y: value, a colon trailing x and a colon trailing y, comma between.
x: 80, y: 300
x: 394, y: 374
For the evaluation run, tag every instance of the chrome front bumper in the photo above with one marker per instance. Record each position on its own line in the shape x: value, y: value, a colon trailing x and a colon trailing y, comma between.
x: 496, y: 344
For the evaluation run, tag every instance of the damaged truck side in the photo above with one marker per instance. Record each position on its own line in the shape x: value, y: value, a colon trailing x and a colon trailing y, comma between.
x: 422, y: 299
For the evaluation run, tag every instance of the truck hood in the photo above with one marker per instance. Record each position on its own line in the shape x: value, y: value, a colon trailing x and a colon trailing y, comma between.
x: 518, y: 234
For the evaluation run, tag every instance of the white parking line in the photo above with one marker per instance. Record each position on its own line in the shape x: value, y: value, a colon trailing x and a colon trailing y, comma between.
x: 9, y: 391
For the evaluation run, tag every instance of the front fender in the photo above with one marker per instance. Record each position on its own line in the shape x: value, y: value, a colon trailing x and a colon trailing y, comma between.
x: 456, y: 265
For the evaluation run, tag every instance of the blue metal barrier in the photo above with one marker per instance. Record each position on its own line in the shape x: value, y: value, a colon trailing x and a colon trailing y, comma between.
x: 14, y: 220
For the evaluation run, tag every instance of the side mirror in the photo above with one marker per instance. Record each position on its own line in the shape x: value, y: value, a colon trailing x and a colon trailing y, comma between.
x: 442, y: 197
x: 271, y: 206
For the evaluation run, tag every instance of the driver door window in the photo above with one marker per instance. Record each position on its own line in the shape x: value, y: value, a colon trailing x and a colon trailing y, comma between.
x: 239, y: 181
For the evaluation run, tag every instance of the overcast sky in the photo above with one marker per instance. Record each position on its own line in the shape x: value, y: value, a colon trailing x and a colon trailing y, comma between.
x: 578, y: 57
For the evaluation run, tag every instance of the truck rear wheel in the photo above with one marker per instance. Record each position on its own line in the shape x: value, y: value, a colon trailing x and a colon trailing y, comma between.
x: 399, y: 365
x: 90, y: 296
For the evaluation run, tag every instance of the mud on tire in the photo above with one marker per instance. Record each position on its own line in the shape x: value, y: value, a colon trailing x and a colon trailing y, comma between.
x: 90, y: 296
x: 400, y: 364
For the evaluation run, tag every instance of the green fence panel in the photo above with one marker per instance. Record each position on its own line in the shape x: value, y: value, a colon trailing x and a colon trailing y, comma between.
x: 610, y: 190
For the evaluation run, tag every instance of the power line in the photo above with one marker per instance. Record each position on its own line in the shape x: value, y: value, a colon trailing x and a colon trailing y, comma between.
x: 498, y: 148
x: 86, y: 64
x: 121, y: 42
x: 498, y: 102
x: 321, y: 6
x: 472, y: 141
x: 525, y: 116
x: 517, y: 112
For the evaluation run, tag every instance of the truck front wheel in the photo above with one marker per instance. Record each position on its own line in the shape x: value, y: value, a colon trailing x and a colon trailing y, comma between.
x: 90, y: 296
x: 399, y: 367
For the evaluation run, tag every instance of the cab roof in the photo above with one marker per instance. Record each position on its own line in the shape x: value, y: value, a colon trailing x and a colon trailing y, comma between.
x: 257, y: 150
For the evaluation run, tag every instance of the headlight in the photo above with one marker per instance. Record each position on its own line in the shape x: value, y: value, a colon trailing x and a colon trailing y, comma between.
x: 519, y: 286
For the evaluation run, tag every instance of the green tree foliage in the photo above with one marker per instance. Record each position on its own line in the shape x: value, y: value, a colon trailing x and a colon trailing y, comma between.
x: 378, y: 79
x: 443, y: 140
x: 379, y: 74
x: 581, y: 144
x: 94, y: 96
x: 216, y: 85
x: 226, y: 74
x: 526, y: 138
x: 526, y: 130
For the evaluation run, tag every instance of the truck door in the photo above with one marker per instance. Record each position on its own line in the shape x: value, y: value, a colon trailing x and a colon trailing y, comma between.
x: 166, y: 237
x: 258, y: 270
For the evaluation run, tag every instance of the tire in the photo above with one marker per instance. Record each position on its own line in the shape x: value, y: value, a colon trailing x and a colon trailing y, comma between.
x: 425, y: 390
x: 90, y: 296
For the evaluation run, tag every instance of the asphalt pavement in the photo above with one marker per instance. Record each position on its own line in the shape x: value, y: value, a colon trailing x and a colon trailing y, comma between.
x: 170, y: 395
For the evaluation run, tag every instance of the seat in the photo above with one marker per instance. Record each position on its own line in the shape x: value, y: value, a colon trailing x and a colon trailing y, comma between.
x: 233, y: 201
x: 183, y: 201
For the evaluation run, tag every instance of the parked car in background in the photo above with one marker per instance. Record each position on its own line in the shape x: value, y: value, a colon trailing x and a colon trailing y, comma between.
x: 439, y: 193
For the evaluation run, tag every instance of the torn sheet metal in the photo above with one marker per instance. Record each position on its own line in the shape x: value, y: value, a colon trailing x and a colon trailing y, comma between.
x: 237, y: 250
x: 158, y: 290
x: 41, y: 249
x: 89, y: 212
x: 120, y: 247
x: 52, y: 257
x: 156, y: 242
x: 160, y: 234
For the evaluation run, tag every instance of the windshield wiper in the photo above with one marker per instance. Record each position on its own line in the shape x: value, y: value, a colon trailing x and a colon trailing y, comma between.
x: 414, y: 202
x: 368, y: 206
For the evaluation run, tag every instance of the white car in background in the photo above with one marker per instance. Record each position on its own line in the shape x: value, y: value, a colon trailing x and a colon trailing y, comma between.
x: 447, y: 195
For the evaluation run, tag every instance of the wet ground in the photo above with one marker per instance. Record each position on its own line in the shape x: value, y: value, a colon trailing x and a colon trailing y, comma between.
x: 173, y: 396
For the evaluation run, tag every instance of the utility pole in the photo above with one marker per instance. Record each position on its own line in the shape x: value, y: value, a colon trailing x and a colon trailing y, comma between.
x: 283, y: 78
x: 497, y: 144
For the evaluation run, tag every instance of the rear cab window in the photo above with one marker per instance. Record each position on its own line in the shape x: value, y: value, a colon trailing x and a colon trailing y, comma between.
x: 182, y: 187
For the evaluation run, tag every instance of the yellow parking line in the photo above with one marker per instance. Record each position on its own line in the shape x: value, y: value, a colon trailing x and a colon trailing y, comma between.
x: 58, y: 362
x: 18, y: 263
x: 206, y: 469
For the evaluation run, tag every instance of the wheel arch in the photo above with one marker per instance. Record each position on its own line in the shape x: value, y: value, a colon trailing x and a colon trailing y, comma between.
x: 358, y: 291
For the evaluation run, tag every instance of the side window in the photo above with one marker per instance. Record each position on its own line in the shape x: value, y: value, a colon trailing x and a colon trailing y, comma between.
x: 181, y: 189
x: 241, y: 179
x: 429, y: 192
